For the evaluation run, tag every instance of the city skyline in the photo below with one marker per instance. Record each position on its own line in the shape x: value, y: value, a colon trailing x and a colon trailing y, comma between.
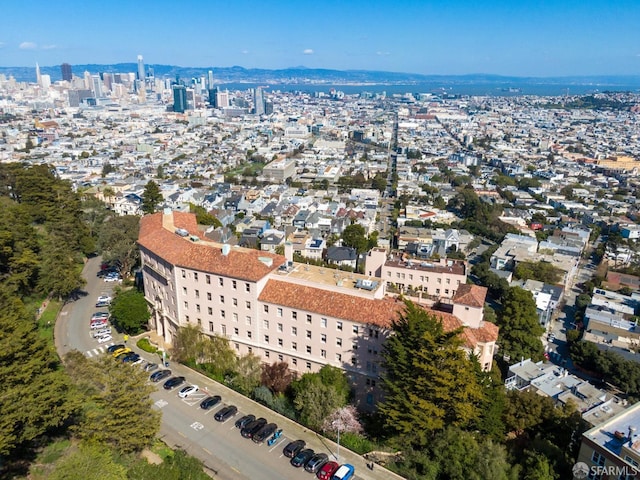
x: 449, y: 38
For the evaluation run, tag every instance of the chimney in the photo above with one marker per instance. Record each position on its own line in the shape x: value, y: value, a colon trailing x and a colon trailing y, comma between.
x: 288, y: 251
x: 632, y: 431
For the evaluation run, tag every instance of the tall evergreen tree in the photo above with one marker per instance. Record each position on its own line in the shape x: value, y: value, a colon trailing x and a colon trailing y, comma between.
x: 520, y: 329
x: 428, y: 379
x: 151, y: 197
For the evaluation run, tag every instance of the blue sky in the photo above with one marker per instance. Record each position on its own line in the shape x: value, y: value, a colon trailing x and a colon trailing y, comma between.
x: 506, y: 37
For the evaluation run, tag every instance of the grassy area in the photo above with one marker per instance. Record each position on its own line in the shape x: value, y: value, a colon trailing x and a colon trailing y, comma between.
x: 160, y: 448
x: 47, y: 320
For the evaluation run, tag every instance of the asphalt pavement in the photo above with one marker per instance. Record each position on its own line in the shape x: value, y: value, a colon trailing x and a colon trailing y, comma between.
x: 225, y: 453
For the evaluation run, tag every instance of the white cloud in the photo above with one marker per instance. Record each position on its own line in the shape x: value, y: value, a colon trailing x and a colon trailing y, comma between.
x: 383, y: 54
x: 308, y: 51
x: 245, y: 52
x: 49, y: 47
x: 28, y: 46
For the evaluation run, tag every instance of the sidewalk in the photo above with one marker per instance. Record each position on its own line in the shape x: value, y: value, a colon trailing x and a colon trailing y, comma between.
x: 290, y: 428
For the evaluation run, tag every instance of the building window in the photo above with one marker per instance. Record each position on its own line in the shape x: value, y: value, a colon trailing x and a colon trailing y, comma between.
x: 279, y: 312
x: 323, y: 353
x: 448, y: 281
x: 248, y: 333
x: 338, y: 325
x: 184, y: 290
x: 355, y: 329
x: 323, y: 322
x: 208, y: 295
x: 223, y: 329
x: 294, y: 330
x: 207, y: 279
x: 186, y: 317
x: 235, y: 317
x: 446, y: 291
x: 222, y: 313
x: 184, y: 274
x: 309, y: 334
x: 265, y: 323
x: 221, y: 298
x: 266, y: 339
x: 195, y: 276
x: 280, y: 358
x: 221, y: 282
x: 439, y: 280
x: 294, y: 346
x: 266, y: 309
x: 280, y: 327
x: 211, y: 326
x: 309, y: 349
x: 294, y: 361
x: 339, y: 342
x: 237, y: 345
x: 466, y: 309
x: 266, y: 354
x: 354, y: 346
x: 234, y: 284
x: 186, y: 304
x: 338, y: 357
x: 197, y: 293
x: 197, y: 307
x: 248, y: 320
x: 248, y: 304
x: 354, y: 361
x: 308, y: 365
x: 236, y: 331
x: 369, y: 398
x: 247, y: 287
x: 235, y: 302
x: 309, y: 319
x: 597, y: 458
x: 294, y: 315
x: 323, y: 338
x: 250, y: 350
x: 280, y: 342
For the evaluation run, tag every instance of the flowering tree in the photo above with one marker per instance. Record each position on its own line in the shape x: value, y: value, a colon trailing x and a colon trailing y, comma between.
x: 344, y: 419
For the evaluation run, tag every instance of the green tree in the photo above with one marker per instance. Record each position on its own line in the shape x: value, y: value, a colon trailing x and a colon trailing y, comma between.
x: 129, y: 310
x: 203, y: 217
x: 428, y: 379
x: 314, y: 400
x: 29, y: 370
x: 116, y: 403
x: 179, y: 466
x: 151, y: 197
x: 355, y: 236
x: 247, y: 373
x: 118, y: 241
x: 520, y: 329
x: 276, y: 376
x: 540, y: 271
x: 89, y: 462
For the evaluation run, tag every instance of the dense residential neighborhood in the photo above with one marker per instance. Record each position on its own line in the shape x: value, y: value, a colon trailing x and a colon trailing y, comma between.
x: 462, y: 266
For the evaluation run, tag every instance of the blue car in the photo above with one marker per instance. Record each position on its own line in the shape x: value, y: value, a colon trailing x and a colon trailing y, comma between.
x: 345, y: 472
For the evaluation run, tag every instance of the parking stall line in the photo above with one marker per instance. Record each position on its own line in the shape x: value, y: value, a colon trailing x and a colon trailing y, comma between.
x: 277, y: 445
x: 88, y: 353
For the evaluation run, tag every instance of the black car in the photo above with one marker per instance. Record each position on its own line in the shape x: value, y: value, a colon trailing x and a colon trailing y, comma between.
x: 264, y: 433
x: 173, y: 382
x: 292, y: 449
x: 159, y: 375
x: 244, y: 421
x: 113, y: 348
x: 130, y: 357
x: 253, y: 427
x: 316, y: 462
x: 302, y: 457
x: 209, y: 402
x: 226, y: 413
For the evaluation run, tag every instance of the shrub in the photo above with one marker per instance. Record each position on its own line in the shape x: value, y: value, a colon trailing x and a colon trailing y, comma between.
x: 145, y: 345
x: 357, y: 443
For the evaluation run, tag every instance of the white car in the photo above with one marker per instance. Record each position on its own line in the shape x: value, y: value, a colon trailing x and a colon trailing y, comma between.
x: 105, y: 338
x: 188, y: 390
x: 102, y: 332
x: 112, y: 278
x: 139, y: 361
x: 99, y: 324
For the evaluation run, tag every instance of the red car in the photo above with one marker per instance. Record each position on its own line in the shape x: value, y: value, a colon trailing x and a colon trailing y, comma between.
x: 327, y: 470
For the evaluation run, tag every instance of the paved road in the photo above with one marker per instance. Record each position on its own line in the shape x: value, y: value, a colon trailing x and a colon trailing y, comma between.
x: 220, y: 446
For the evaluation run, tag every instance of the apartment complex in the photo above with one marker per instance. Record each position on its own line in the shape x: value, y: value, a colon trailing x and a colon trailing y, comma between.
x: 268, y: 305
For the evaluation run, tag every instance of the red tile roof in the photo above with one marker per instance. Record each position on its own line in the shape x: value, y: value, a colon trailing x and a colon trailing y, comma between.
x: 240, y: 263
x: 470, y: 295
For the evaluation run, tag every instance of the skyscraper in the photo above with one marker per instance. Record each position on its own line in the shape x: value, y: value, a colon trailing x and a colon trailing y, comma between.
x: 179, y: 98
x: 258, y: 101
x: 210, y: 80
x: 67, y: 74
x: 38, y: 77
x: 140, y: 69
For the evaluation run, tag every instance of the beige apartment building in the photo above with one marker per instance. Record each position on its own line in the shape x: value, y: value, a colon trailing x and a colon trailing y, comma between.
x: 279, y: 310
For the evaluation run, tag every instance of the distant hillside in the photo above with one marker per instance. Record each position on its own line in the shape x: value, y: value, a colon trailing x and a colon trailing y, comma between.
x: 303, y: 75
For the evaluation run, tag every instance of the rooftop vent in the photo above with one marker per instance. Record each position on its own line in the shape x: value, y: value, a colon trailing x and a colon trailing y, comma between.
x: 182, y: 232
x: 226, y: 248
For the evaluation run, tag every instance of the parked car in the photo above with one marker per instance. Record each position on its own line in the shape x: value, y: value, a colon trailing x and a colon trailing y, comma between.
x: 98, y: 324
x: 149, y: 367
x: 140, y: 361
x: 188, y: 390
x: 100, y: 316
x: 292, y: 448
x: 264, y: 433
x: 113, y: 348
x: 105, y: 338
x: 226, y: 413
x: 244, y: 421
x: 302, y: 457
x: 120, y: 351
x: 173, y: 382
x: 327, y: 470
x: 316, y: 462
x: 101, y: 332
x: 344, y: 472
x: 209, y: 402
x: 253, y: 427
x: 130, y: 358
x: 159, y: 375
x: 103, y: 301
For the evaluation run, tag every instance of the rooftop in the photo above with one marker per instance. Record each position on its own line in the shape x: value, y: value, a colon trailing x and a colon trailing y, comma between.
x: 620, y: 431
